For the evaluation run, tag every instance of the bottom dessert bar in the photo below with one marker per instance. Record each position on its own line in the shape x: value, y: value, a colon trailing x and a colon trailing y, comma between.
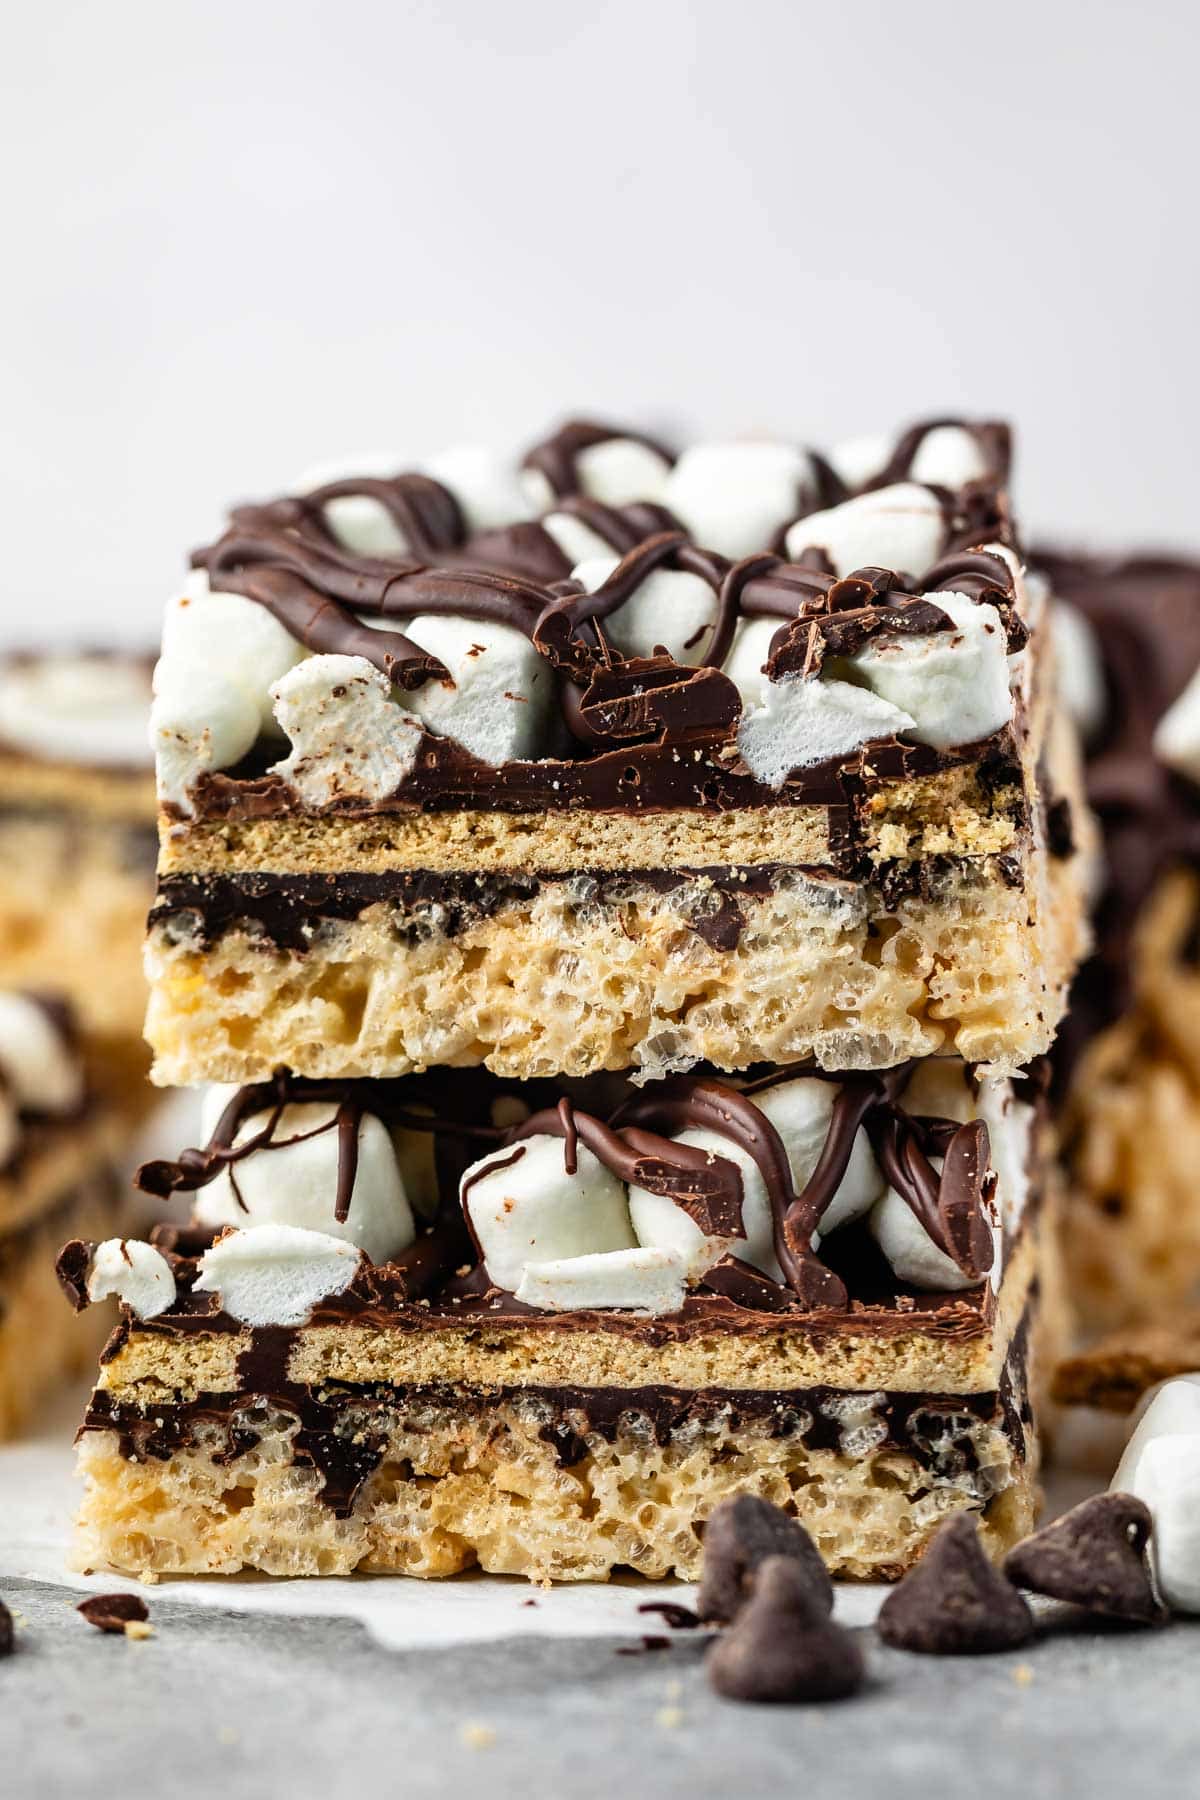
x: 375, y: 1348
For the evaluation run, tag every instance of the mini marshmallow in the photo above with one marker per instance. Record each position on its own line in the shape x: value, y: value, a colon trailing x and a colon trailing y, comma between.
x: 734, y: 497
x: 746, y: 662
x: 617, y: 471
x: 1177, y: 736
x: 296, y: 1183
x: 914, y: 1256
x: 531, y: 1210
x: 1166, y: 1477
x: 349, y: 737
x: 276, y: 1274
x: 805, y: 720
x: 487, y: 487
x: 954, y: 684
x: 858, y: 460
x: 76, y: 709
x: 1079, y: 666
x: 648, y: 1281
x: 669, y: 607
x: 228, y: 636
x: 133, y: 1272
x: 662, y: 1225
x: 1010, y: 1130
x: 497, y: 701
x: 949, y: 456
x: 577, y: 541
x: 1169, y: 1409
x: 214, y: 1098
x: 42, y: 1071
x: 800, y: 1111
x: 359, y: 522
x: 899, y: 527
x: 198, y: 723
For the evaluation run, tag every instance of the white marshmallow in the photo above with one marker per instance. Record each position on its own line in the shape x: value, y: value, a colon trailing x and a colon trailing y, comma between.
x: 43, y: 1072
x: 858, y: 460
x: 949, y: 456
x: 734, y: 497
x: 661, y: 1224
x: 1167, y: 1478
x: 133, y: 1272
x: 498, y: 699
x: 77, y: 709
x: 899, y: 527
x: 533, y: 1211
x: 1080, y: 668
x: 1169, y: 1409
x: 214, y: 1098
x: 1010, y: 1128
x: 800, y: 1111
x: 349, y: 737
x: 914, y: 1256
x: 198, y: 723
x: 1177, y: 737
x: 670, y: 607
x: 487, y: 487
x: 358, y: 521
x: 954, y: 684
x: 577, y: 541
x: 939, y: 1088
x: 276, y: 1274
x: 226, y: 635
x: 296, y: 1184
x: 649, y: 1281
x: 746, y: 662
x: 617, y: 471
x: 802, y: 721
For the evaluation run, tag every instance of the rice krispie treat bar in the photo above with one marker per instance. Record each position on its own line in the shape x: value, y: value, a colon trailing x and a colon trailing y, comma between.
x: 1129, y: 1056
x: 78, y: 840
x: 544, y: 1328
x: 57, y: 1174
x: 616, y: 759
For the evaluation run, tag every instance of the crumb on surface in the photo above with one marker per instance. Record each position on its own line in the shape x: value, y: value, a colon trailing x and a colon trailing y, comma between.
x: 476, y: 1736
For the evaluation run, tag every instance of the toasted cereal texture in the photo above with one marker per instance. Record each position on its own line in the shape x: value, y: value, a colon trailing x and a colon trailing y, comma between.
x: 459, y: 1488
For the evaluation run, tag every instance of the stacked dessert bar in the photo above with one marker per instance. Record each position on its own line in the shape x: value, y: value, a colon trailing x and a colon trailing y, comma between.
x: 619, y: 896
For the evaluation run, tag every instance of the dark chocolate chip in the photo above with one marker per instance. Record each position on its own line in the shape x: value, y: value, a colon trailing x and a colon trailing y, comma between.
x: 1095, y: 1557
x: 783, y: 1644
x: 954, y: 1603
x: 8, y: 1640
x: 740, y: 1535
x: 113, y: 1612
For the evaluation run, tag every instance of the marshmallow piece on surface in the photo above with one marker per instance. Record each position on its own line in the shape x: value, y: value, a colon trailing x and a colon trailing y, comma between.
x: 349, y: 737
x: 746, y: 662
x: 1169, y: 1409
x: 1080, y: 668
x: 734, y: 497
x: 276, y: 1274
x: 949, y: 456
x: 498, y: 704
x: 229, y: 636
x: 669, y: 607
x: 1166, y: 1477
x: 1177, y: 735
x: 77, y: 709
x: 199, y: 724
x: 296, y: 1184
x: 532, y: 1211
x: 134, y: 1272
x: 41, y: 1069
x: 649, y: 1281
x: 914, y: 1256
x: 661, y: 1224
x: 809, y: 720
x: 954, y: 684
x: 800, y: 1111
x: 899, y: 527
x: 487, y: 487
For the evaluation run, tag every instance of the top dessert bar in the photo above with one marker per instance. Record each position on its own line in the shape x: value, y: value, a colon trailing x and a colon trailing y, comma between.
x: 616, y: 760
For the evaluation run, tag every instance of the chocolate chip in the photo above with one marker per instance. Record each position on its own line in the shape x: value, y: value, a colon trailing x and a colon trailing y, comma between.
x: 740, y: 1535
x: 783, y: 1644
x: 113, y: 1612
x: 1094, y: 1556
x: 8, y: 1641
x: 954, y: 1603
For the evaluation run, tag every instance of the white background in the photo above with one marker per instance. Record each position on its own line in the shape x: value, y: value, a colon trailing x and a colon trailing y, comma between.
x: 241, y: 237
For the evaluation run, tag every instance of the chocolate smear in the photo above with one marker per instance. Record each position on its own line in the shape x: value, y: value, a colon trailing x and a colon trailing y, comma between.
x: 784, y: 1646
x: 954, y: 1603
x: 742, y: 1534
x: 1094, y: 1557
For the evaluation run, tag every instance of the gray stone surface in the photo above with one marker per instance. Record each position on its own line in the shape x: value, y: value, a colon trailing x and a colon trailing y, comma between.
x: 224, y: 1706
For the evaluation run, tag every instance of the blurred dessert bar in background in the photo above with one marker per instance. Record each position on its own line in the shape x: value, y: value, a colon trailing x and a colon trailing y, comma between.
x: 77, y: 844
x: 616, y: 759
